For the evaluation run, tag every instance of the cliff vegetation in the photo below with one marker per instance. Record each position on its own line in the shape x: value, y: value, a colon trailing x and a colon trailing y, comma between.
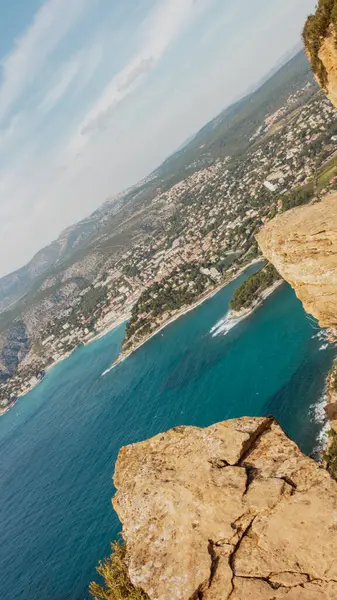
x: 330, y: 456
x: 116, y: 580
x: 316, y: 29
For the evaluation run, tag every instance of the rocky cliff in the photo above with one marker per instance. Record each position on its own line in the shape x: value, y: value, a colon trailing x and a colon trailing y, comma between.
x: 231, y: 511
x: 319, y: 36
x: 235, y: 511
x: 328, y: 56
x: 302, y: 245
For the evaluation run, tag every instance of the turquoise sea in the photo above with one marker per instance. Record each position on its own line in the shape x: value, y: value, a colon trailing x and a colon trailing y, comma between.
x: 58, y: 444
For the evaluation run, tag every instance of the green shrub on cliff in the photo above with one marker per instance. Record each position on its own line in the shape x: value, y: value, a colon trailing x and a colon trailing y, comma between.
x: 315, y: 30
x: 117, y: 584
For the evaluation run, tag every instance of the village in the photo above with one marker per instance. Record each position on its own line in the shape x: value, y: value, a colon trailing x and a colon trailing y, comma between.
x: 214, y: 215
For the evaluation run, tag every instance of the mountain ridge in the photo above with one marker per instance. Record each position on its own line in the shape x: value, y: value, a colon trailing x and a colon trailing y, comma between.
x: 89, y: 230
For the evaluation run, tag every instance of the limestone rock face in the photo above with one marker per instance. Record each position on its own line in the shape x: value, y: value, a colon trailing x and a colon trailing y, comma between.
x: 328, y: 56
x: 302, y: 245
x: 233, y: 511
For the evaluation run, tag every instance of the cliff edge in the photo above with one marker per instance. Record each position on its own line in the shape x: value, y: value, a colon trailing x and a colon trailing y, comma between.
x: 302, y: 245
x: 319, y: 37
x: 233, y: 511
x: 328, y: 57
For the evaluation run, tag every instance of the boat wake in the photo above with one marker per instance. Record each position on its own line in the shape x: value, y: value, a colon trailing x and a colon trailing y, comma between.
x: 224, y: 325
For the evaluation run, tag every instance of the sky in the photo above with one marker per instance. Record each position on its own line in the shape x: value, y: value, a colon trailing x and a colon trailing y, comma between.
x: 95, y: 94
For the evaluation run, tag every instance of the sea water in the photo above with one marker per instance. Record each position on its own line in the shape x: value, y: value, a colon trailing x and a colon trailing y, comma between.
x: 58, y: 445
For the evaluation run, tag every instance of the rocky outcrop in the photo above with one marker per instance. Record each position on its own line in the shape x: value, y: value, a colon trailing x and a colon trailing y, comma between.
x: 302, y: 245
x: 319, y: 37
x: 328, y: 56
x: 233, y: 511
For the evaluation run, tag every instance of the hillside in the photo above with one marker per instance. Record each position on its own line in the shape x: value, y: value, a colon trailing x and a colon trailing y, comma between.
x: 187, y: 217
x: 227, y: 134
x: 66, y: 247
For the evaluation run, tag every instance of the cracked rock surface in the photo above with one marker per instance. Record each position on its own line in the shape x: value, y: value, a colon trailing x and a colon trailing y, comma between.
x: 233, y: 511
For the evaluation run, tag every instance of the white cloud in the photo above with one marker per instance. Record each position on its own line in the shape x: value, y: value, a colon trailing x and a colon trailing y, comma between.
x: 59, y: 165
x: 159, y: 29
x: 78, y: 69
x: 64, y: 77
x: 75, y: 73
x: 34, y: 47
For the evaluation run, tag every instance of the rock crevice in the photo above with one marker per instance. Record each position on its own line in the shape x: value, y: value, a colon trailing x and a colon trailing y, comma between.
x: 243, y: 515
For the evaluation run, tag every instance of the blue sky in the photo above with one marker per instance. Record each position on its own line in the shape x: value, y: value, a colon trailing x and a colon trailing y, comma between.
x: 94, y: 94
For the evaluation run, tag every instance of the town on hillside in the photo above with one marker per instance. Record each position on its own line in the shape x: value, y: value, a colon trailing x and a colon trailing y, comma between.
x: 206, y: 234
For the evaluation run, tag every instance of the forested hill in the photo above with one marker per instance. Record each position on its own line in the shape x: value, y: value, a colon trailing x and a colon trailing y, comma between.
x: 250, y: 291
x: 230, y: 131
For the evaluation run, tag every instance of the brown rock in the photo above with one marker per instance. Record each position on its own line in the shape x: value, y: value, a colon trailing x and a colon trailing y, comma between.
x: 231, y: 511
x: 331, y: 411
x: 302, y: 245
x: 328, y: 56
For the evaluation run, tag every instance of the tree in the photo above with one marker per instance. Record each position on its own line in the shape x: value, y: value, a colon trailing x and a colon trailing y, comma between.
x: 130, y: 270
x: 117, y: 584
x: 315, y: 30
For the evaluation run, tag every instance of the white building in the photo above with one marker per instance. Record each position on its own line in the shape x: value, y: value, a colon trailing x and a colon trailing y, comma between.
x: 270, y: 186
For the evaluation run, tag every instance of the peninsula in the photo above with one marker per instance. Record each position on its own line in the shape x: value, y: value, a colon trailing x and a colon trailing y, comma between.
x: 154, y: 314
x: 140, y: 328
x: 253, y: 291
x: 176, y: 237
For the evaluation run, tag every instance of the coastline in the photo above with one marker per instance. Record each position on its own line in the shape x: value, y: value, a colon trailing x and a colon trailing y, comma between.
x: 112, y: 325
x: 109, y: 327
x: 246, y: 312
x: 124, y: 355
x: 64, y: 356
x: 27, y: 390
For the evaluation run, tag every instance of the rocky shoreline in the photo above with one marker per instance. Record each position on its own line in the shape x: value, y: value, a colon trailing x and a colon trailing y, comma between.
x: 331, y: 406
